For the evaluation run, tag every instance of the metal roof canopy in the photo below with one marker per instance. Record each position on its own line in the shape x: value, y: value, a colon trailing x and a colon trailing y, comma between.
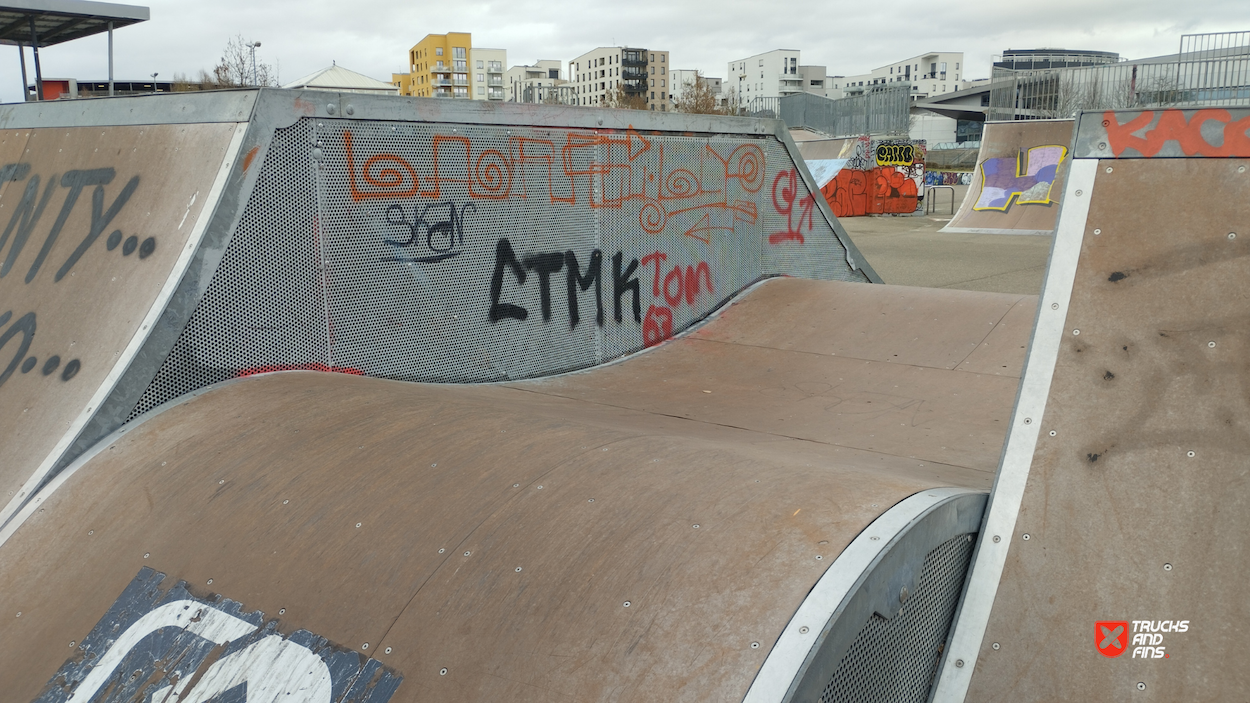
x: 41, y: 23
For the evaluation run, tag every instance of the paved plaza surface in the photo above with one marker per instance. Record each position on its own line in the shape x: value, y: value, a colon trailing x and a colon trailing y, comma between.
x: 910, y: 251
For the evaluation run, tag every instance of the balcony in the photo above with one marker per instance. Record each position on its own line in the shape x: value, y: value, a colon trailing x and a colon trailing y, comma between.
x: 460, y: 81
x: 786, y: 88
x: 629, y: 75
x: 440, y: 81
x: 494, y: 80
x: 440, y: 68
x: 494, y: 67
x: 494, y: 94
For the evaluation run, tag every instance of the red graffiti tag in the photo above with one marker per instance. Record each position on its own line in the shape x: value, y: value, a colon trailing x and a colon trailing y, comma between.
x: 786, y: 185
x: 678, y: 283
x: 1174, y: 127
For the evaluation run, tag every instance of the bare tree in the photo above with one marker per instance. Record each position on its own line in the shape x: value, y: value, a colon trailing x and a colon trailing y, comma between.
x: 618, y: 98
x: 235, y: 68
x: 697, y: 98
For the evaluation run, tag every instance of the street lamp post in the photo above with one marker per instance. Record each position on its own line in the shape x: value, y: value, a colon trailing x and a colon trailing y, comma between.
x: 154, y: 75
x: 253, y: 46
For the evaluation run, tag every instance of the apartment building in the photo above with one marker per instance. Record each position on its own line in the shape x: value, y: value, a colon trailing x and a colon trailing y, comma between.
x: 640, y: 73
x: 534, y: 84
x: 448, y: 66
x: 486, y: 74
x: 930, y: 74
x: 773, y: 74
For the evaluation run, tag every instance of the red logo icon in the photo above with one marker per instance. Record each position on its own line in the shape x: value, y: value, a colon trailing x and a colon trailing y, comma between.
x: 1111, y: 637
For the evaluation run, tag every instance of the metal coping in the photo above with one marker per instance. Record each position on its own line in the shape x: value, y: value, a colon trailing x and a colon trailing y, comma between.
x: 866, y: 578
x: 58, y: 21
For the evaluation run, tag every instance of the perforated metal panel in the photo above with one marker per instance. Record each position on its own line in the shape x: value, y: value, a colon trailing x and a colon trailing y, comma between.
x: 444, y: 252
x: 894, y: 660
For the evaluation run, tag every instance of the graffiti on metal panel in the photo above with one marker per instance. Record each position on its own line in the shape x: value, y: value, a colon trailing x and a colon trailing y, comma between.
x: 159, y: 644
x: 1173, y: 127
x: 798, y: 210
x: 429, y: 239
x: 544, y: 265
x: 28, y: 257
x: 1025, y: 179
x: 619, y: 168
x: 679, y: 284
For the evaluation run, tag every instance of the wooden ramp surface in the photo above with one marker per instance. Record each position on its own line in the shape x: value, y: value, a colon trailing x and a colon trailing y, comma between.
x: 640, y: 531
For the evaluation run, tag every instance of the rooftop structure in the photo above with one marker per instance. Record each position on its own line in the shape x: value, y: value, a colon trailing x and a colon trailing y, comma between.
x: 43, y: 23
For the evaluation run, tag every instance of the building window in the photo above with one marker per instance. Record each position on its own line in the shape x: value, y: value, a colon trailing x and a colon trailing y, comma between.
x: 458, y: 52
x: 653, y: 95
x: 481, y: 90
x: 653, y: 107
x: 653, y: 58
x: 652, y: 82
x: 662, y: 108
x: 956, y: 65
x: 438, y: 51
x: 661, y: 95
x: 480, y: 63
x: 662, y: 83
x: 662, y: 70
x: 480, y: 77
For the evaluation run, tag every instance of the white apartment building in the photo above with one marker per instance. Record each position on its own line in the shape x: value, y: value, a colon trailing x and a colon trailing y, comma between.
x: 486, y: 71
x: 596, y: 74
x: 773, y: 74
x: 532, y: 83
x: 929, y: 74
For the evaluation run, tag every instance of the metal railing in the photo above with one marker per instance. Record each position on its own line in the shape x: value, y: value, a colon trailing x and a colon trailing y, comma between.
x: 1210, y: 70
x: 881, y: 111
x: 930, y: 202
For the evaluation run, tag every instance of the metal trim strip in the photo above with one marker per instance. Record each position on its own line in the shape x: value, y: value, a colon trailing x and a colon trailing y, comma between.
x: 954, y: 676
x: 840, y: 581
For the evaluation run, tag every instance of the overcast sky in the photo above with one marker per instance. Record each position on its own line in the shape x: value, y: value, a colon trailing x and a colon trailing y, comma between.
x: 373, y: 36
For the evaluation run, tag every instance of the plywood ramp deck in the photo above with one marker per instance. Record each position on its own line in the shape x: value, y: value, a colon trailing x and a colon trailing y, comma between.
x: 497, y: 531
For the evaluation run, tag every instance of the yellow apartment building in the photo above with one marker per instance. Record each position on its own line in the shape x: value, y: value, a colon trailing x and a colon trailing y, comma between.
x: 447, y: 66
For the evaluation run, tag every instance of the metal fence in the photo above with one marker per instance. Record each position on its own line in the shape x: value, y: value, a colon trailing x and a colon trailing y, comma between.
x: 881, y: 112
x: 1210, y: 70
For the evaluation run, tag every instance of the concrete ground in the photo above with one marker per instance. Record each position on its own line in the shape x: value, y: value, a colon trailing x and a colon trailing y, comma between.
x: 909, y: 251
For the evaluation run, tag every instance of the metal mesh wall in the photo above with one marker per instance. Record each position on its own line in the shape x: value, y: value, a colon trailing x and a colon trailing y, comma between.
x: 895, y: 660
x: 446, y: 253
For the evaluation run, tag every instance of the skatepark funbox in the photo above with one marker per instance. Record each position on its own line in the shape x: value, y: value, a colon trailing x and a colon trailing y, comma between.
x: 311, y: 397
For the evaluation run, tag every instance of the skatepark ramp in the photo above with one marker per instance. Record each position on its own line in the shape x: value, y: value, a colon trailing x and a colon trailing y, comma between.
x: 1018, y: 179
x: 1115, y: 537
x: 157, y: 245
x: 383, y: 399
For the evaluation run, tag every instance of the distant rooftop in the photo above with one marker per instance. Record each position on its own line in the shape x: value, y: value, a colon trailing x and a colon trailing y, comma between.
x: 336, y: 77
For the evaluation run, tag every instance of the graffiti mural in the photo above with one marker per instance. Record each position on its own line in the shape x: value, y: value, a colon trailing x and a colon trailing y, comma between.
x: 1026, y: 179
x: 877, y: 177
x: 467, y: 253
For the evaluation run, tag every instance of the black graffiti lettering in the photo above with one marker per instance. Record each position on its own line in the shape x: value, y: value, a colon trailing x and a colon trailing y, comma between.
x: 25, y: 325
x: 25, y: 218
x: 545, y: 265
x: 444, y: 238
x: 75, y: 181
x: 594, y: 274
x: 622, y: 283
x: 99, y: 222
x: 504, y: 256
x: 14, y: 172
